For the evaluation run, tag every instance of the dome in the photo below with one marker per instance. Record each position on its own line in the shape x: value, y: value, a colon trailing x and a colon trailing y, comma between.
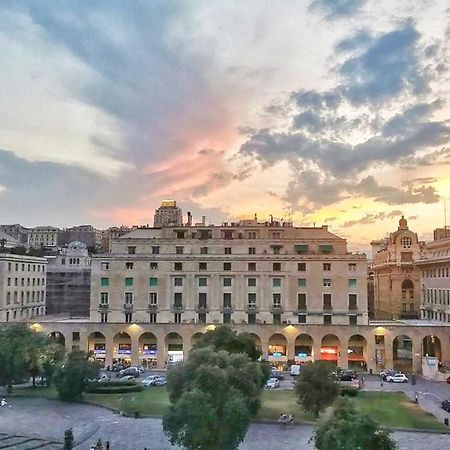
x: 77, y: 245
x: 402, y: 224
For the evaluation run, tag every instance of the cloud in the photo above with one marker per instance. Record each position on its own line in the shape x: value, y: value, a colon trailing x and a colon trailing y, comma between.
x: 337, y: 8
x: 373, y: 218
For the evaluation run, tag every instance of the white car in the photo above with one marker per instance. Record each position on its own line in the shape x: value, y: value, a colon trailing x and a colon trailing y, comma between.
x: 140, y: 369
x: 150, y: 380
x: 126, y: 378
x: 273, y: 383
x: 104, y: 379
x: 397, y: 378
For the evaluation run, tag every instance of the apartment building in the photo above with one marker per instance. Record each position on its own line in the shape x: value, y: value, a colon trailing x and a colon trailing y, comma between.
x: 246, y: 272
x: 16, y: 231
x: 45, y: 236
x: 22, y: 287
x: 87, y: 234
x: 168, y: 215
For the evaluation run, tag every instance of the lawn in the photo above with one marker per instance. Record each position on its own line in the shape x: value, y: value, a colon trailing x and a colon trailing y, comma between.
x: 390, y: 409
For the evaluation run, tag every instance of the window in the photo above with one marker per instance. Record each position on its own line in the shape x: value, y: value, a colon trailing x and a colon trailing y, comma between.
x: 8, y: 298
x: 227, y: 299
x: 301, y: 248
x: 352, y: 267
x: 128, y: 317
x: 276, y: 300
x: 153, y: 266
x: 202, y: 266
x: 105, y: 265
x: 406, y: 242
x: 252, y: 266
x: 301, y: 301
x: 155, y: 250
x: 327, y: 319
x: 180, y: 234
x: 326, y: 248
x: 252, y: 234
x: 227, y: 250
x: 276, y: 319
x: 131, y: 250
x: 104, y: 317
x: 178, y: 266
x: 128, y: 281
x: 227, y: 266
x: 276, y: 282
x: 153, y: 298
x: 9, y: 281
x: 202, y: 299
x: 352, y: 283
x: 327, y: 282
x: 129, y: 265
x: 203, y: 282
x: 352, y: 302
x: 152, y: 318
x: 226, y: 318
x: 179, y: 250
x: 104, y: 298
x: 252, y: 300
x: 276, y: 249
x: 276, y: 267
x: 353, y: 320
x: 301, y: 267
x: 252, y: 250
x: 327, y: 302
x: 227, y: 282
x: 228, y: 234
x: 104, y: 281
x: 251, y: 318
x: 251, y: 282
x: 202, y: 318
x: 153, y: 281
x: 203, y: 250
x: 327, y: 266
x: 177, y: 317
x: 178, y: 281
x: 177, y: 299
x: 301, y: 318
x: 128, y: 298
x: 302, y: 282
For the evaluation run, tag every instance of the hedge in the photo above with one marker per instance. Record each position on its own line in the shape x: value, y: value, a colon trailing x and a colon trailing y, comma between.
x: 349, y: 391
x: 116, y: 388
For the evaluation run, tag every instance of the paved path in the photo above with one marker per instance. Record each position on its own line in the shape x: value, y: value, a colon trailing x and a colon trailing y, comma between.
x: 45, y: 419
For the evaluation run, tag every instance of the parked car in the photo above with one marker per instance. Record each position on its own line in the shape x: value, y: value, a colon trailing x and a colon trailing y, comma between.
x: 387, y: 372
x: 140, y: 369
x: 277, y: 374
x: 104, y: 379
x: 161, y: 381
x: 295, y: 370
x: 118, y: 367
x: 273, y: 383
x: 130, y: 371
x: 127, y: 378
x: 348, y: 375
x: 150, y: 380
x: 445, y: 405
x: 397, y: 378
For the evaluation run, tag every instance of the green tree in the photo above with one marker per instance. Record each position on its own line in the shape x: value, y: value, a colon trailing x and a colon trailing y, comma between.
x: 69, y: 441
x: 349, y: 429
x: 316, y: 388
x: 72, y: 377
x: 213, y: 395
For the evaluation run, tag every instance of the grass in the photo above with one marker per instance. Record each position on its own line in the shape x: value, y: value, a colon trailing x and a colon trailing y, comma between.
x: 390, y: 409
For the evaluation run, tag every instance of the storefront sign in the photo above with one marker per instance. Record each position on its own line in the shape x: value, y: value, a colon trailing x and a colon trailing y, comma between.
x: 150, y: 352
x: 277, y: 354
x: 302, y: 355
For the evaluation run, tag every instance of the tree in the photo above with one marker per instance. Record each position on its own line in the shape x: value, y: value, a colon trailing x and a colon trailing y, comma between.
x: 69, y: 441
x: 316, y: 388
x: 72, y: 377
x: 349, y: 429
x: 213, y: 395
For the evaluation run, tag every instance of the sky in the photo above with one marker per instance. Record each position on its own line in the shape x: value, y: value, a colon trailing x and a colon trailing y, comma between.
x: 316, y: 111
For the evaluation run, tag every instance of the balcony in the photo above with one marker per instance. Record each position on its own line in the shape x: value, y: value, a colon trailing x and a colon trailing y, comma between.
x: 202, y: 309
x: 251, y: 308
x: 103, y: 306
x: 128, y: 307
x: 226, y: 309
x: 152, y: 307
x: 277, y: 309
x: 177, y: 308
x: 327, y: 308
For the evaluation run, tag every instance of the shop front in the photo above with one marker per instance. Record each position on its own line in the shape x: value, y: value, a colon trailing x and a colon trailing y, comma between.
x: 148, y: 356
x: 277, y: 356
x: 123, y: 354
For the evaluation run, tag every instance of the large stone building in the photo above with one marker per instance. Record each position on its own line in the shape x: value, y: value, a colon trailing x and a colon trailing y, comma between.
x: 45, y: 236
x: 17, y: 232
x: 69, y: 281
x: 397, y: 292
x: 82, y: 233
x: 112, y: 233
x: 435, y: 267
x: 22, y: 287
x: 168, y: 215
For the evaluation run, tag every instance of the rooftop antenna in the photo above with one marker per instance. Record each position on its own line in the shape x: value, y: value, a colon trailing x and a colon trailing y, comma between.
x: 445, y: 218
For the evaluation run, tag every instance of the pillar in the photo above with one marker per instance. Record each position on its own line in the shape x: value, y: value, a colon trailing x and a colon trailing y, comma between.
x: 416, y: 354
x: 83, y: 341
x: 370, y: 354
x: 290, y: 350
x: 109, y: 350
x: 388, y: 361
x: 343, y: 355
x: 316, y: 346
x: 135, y: 360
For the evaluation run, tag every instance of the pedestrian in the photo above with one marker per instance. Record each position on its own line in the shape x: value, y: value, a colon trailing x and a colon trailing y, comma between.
x: 381, y: 383
x: 107, y: 445
x: 3, y: 402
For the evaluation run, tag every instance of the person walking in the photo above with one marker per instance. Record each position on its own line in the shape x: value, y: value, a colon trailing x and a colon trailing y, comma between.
x: 3, y: 402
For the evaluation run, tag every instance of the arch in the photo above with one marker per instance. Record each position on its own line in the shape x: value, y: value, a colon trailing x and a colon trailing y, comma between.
x: 330, y: 347
x: 357, y: 352
x: 195, y: 337
x: 174, y: 348
x: 277, y: 351
x: 122, y: 348
x: 407, y: 284
x: 97, y: 345
x: 58, y: 337
x: 258, y: 342
x: 303, y: 347
x: 148, y: 350
x: 431, y: 346
x: 402, y: 353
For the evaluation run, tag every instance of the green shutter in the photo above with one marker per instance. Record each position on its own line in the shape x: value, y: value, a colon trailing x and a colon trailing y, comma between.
x: 153, y: 281
x: 104, y: 281
x: 326, y: 248
x: 302, y: 282
x: 128, y: 281
x: 301, y: 248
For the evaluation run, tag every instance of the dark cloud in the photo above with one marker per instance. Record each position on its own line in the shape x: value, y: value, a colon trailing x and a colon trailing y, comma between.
x: 337, y: 8
x: 360, y: 39
x: 373, y: 218
x: 317, y: 101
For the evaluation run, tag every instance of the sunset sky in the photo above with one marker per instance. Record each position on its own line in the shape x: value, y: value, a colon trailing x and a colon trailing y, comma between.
x: 317, y: 111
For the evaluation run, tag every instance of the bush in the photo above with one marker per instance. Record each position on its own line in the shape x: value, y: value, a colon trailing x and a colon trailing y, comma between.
x: 105, y: 388
x: 349, y: 391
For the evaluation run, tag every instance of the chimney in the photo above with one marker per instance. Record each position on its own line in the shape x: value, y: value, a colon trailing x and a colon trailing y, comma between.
x: 189, y: 221
x: 203, y: 220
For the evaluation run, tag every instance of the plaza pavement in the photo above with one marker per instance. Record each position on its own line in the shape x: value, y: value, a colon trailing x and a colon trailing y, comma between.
x: 46, y: 419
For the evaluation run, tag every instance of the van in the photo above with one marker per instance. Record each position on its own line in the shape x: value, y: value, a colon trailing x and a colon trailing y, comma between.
x: 295, y: 370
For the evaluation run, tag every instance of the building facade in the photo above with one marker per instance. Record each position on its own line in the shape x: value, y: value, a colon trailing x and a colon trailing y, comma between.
x: 435, y: 269
x: 46, y: 236
x: 246, y: 272
x: 22, y: 287
x: 397, y: 290
x: 69, y: 281
x: 17, y: 232
x: 112, y: 233
x: 168, y: 215
x: 82, y: 233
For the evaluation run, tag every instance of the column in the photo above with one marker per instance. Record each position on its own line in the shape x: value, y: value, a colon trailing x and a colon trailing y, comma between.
x: 83, y: 341
x: 317, y: 345
x: 416, y: 354
x: 135, y: 361
x: 109, y: 350
x: 343, y: 356
x: 291, y: 349
x: 370, y: 354
x: 388, y: 360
